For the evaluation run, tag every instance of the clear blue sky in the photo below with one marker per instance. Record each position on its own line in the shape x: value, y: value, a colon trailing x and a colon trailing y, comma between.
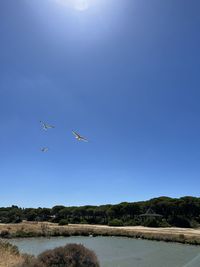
x: 123, y: 73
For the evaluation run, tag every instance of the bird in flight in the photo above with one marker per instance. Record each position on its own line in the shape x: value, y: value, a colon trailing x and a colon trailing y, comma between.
x: 44, y: 149
x: 46, y: 126
x: 79, y: 137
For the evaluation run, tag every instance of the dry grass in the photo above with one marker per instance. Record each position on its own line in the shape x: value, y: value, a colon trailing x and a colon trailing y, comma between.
x: 9, y: 255
x: 9, y: 260
x: 27, y: 229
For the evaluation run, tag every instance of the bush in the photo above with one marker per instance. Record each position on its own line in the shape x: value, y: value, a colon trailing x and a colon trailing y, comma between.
x: 151, y: 223
x: 30, y: 261
x: 115, y: 222
x: 83, y: 221
x: 21, y: 234
x: 131, y: 223
x: 194, y: 224
x: 5, y: 234
x: 63, y: 222
x: 72, y: 255
x: 75, y: 220
x: 5, y: 246
x: 180, y: 221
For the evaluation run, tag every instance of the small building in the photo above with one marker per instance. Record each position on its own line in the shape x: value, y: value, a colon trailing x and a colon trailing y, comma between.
x: 150, y: 214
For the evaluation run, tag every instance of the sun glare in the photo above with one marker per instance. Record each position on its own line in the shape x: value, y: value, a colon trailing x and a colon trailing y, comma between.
x: 80, y: 5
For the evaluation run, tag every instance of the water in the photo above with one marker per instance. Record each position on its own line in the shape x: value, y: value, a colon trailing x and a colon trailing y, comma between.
x: 122, y: 252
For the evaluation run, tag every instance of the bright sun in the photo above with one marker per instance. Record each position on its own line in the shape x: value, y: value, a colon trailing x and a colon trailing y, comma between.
x: 80, y: 5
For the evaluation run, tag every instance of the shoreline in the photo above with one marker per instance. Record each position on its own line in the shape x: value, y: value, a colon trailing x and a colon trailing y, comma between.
x: 46, y: 229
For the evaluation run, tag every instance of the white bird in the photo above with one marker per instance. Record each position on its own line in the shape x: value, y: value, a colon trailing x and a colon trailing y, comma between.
x: 46, y: 126
x: 44, y: 149
x: 79, y: 137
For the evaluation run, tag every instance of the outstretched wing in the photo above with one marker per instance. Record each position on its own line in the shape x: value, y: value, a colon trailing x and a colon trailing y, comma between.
x: 83, y: 139
x: 76, y: 134
x: 49, y: 126
x: 79, y: 137
x: 42, y: 123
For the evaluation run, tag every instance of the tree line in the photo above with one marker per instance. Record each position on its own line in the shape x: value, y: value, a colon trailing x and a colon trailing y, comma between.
x: 180, y: 212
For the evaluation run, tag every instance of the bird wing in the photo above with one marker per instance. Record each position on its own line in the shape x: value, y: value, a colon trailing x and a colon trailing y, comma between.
x: 49, y: 126
x: 83, y: 138
x: 76, y: 134
x: 43, y: 124
x: 79, y: 136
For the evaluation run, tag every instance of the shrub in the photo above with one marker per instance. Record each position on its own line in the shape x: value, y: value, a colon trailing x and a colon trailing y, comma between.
x: 63, y: 222
x: 5, y: 234
x: 131, y: 223
x: 181, y: 237
x: 44, y: 229
x: 194, y: 224
x: 5, y: 246
x: 115, y: 222
x: 151, y: 223
x: 30, y: 261
x: 22, y: 233
x: 17, y: 220
x: 83, y: 221
x: 180, y: 221
x: 71, y: 255
x: 75, y: 220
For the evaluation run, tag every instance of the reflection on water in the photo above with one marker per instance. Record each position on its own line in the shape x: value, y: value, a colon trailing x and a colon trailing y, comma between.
x: 122, y: 252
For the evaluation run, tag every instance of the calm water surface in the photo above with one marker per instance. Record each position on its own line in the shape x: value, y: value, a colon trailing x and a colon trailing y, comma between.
x: 122, y: 252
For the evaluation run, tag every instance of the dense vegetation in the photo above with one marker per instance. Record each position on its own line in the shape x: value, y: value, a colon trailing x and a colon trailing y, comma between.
x: 182, y: 212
